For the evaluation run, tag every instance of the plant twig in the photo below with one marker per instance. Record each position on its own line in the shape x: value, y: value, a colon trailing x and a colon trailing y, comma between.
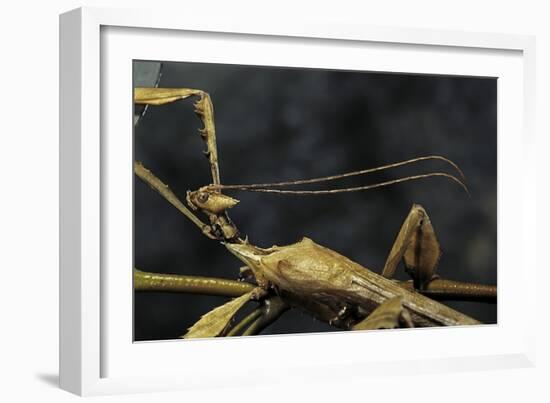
x: 144, y: 281
x: 272, y: 309
x: 440, y: 289
x: 246, y: 321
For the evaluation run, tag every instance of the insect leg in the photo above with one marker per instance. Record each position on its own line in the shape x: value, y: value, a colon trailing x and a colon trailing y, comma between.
x: 417, y: 245
x: 203, y: 108
x: 388, y: 315
x: 148, y: 177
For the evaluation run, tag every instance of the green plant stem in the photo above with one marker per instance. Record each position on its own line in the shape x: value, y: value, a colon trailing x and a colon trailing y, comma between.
x: 246, y: 321
x: 272, y: 309
x: 144, y: 281
x: 441, y: 289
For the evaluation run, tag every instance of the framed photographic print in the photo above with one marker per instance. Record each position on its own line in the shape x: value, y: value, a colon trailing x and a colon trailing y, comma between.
x: 233, y: 191
x: 290, y: 124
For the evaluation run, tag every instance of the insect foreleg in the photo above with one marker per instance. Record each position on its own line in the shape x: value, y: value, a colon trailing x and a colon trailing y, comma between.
x: 203, y: 109
x: 221, y: 226
x: 148, y: 177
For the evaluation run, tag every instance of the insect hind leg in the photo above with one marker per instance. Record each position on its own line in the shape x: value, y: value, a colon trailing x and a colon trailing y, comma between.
x: 416, y: 244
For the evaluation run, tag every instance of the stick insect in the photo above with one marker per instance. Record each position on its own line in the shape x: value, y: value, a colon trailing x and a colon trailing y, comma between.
x: 306, y: 275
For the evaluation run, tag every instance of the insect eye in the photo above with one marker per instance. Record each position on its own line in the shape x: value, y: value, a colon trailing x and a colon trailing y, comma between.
x: 203, y: 197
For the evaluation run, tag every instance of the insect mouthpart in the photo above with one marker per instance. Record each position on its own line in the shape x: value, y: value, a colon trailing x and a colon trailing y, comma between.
x: 210, y: 201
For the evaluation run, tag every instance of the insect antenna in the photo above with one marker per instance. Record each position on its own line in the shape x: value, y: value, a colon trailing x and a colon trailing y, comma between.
x: 344, y: 190
x: 271, y: 187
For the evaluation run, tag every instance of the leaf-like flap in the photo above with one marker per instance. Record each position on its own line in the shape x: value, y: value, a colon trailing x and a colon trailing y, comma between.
x: 385, y: 316
x: 422, y: 255
x: 213, y: 323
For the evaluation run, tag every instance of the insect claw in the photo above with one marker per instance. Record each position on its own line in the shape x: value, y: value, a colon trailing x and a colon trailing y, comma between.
x: 206, y: 153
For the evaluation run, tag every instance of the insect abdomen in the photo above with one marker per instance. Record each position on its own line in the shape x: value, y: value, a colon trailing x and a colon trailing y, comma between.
x: 308, y: 270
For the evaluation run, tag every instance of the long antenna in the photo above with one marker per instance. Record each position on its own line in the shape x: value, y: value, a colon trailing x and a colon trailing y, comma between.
x: 268, y: 187
x: 254, y: 188
x: 340, y: 176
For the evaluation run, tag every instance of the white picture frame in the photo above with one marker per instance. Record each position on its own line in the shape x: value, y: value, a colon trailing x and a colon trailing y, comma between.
x: 97, y: 357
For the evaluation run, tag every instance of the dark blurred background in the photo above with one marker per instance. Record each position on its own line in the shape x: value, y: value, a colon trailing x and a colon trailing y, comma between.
x: 278, y: 124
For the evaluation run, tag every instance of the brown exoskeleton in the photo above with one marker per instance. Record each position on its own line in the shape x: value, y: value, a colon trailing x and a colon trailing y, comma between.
x: 307, y: 275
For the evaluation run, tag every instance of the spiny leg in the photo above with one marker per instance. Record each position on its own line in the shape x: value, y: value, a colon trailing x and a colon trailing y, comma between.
x: 221, y: 225
x: 203, y: 108
x: 388, y: 315
x: 417, y: 245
